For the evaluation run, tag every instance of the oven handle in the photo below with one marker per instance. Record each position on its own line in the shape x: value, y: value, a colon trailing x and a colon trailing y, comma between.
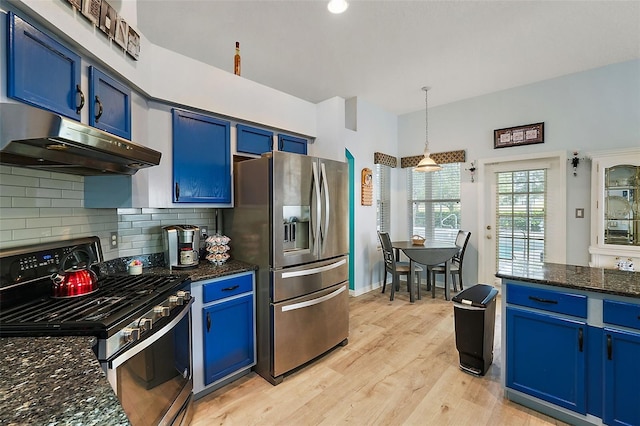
x: 313, y: 301
x: 127, y: 355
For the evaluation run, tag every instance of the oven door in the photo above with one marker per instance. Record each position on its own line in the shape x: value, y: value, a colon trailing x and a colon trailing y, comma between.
x: 153, y: 378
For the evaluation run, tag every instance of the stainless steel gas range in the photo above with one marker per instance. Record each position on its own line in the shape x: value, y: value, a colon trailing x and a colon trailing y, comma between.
x: 142, y: 323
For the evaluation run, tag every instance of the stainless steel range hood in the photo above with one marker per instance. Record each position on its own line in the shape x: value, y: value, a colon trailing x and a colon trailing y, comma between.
x: 35, y: 138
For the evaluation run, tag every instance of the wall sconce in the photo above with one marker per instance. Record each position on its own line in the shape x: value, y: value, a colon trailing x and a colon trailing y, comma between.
x: 472, y: 171
x: 575, y: 161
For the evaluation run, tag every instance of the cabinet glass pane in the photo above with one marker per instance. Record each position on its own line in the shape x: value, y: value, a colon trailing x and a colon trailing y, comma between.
x: 622, y: 207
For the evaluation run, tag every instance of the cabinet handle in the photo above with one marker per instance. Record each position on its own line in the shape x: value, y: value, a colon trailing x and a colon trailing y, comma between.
x: 177, y: 191
x: 99, y: 108
x: 537, y: 299
x: 580, y: 339
x: 609, y: 347
x: 79, y: 92
x: 208, y: 322
x: 230, y: 288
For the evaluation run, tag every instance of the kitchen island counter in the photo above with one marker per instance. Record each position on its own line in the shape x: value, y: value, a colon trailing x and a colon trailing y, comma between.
x: 55, y: 380
x: 600, y: 280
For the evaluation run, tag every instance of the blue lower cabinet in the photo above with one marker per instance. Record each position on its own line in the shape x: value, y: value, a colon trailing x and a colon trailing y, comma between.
x: 621, y: 351
x: 228, y: 337
x: 546, y: 357
x: 292, y: 144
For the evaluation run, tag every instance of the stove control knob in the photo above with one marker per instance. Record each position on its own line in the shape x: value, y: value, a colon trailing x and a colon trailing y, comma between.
x: 175, y: 300
x: 145, y: 324
x: 130, y: 334
x: 184, y: 294
x: 162, y: 311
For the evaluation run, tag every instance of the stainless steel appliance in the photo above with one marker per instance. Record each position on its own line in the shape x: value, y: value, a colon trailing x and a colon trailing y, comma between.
x: 36, y: 138
x: 291, y: 219
x: 142, y: 325
x: 181, y: 246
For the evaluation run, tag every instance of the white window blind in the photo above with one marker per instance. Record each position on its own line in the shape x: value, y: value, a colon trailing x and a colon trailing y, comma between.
x: 382, y: 192
x: 521, y: 219
x: 434, y: 203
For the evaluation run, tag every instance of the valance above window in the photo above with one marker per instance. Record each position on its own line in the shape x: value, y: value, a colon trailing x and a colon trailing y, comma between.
x: 385, y: 159
x: 438, y: 157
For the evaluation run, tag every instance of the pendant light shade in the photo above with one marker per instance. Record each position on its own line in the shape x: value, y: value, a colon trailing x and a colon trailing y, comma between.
x: 337, y: 6
x: 427, y: 164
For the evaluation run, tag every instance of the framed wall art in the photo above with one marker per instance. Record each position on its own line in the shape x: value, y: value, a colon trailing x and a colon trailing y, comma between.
x: 521, y: 135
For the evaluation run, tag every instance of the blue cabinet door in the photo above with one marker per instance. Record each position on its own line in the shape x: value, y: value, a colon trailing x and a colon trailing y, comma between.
x: 109, y: 104
x: 621, y: 377
x: 253, y: 141
x: 228, y: 337
x: 292, y: 144
x: 41, y: 71
x: 545, y: 357
x: 201, y: 159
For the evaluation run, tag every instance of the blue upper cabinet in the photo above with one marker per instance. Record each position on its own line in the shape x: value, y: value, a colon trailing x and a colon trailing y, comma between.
x: 201, y: 159
x: 41, y: 71
x: 109, y: 104
x: 251, y: 140
x: 292, y: 144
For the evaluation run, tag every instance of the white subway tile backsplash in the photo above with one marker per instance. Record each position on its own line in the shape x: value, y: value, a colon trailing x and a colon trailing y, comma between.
x: 25, y: 181
x: 12, y: 191
x: 14, y: 212
x: 23, y: 234
x: 37, y: 207
x: 47, y: 222
x: 31, y: 202
x: 66, y: 203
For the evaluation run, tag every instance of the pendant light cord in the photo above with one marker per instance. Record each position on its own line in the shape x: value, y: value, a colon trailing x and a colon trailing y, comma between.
x: 426, y: 118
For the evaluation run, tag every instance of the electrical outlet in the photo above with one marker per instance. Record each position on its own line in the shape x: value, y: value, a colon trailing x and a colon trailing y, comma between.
x: 113, y: 242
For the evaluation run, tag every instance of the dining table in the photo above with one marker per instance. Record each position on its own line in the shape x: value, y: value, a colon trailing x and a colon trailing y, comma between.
x: 429, y: 253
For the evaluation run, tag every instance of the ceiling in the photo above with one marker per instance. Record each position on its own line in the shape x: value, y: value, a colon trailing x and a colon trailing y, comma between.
x: 385, y: 51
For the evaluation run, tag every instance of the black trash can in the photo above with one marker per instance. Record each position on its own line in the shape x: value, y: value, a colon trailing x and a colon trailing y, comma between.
x: 475, y: 317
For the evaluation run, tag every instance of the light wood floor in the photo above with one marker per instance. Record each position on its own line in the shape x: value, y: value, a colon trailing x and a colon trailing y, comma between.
x: 399, y: 368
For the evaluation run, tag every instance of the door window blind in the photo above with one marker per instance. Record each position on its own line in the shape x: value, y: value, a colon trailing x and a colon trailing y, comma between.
x: 521, y: 219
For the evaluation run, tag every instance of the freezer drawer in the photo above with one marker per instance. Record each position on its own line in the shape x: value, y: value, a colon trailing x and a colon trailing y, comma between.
x: 308, y: 326
x: 289, y: 283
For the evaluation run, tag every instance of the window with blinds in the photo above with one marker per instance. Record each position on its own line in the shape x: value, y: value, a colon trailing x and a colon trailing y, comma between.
x: 382, y: 193
x: 520, y: 219
x: 434, y: 202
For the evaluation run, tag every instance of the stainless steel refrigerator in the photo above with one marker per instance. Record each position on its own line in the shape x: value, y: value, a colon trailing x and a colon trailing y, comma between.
x: 290, y: 218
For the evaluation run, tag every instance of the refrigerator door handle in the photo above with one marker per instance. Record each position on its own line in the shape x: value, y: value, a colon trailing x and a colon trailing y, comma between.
x: 312, y: 302
x: 327, y: 205
x: 312, y: 271
x: 315, y: 223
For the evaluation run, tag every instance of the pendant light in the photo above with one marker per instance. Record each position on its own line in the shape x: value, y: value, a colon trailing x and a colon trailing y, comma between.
x: 427, y: 164
x: 337, y: 6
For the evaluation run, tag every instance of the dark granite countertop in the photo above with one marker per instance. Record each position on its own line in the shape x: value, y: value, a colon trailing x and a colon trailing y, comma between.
x: 205, y: 270
x: 55, y: 381
x: 609, y: 281
x: 59, y: 381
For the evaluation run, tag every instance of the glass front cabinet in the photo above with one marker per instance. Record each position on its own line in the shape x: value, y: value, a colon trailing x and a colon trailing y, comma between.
x: 615, y: 209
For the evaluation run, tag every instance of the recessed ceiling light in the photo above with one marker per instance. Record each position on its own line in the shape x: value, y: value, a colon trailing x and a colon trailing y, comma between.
x: 337, y: 6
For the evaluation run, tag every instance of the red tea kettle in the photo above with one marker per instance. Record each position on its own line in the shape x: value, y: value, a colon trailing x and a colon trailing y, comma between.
x: 78, y: 280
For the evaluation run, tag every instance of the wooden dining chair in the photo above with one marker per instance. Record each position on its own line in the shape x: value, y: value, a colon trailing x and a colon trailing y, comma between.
x: 462, y: 240
x: 394, y: 267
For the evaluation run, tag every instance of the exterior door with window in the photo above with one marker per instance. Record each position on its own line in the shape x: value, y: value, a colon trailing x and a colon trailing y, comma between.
x: 523, y: 221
